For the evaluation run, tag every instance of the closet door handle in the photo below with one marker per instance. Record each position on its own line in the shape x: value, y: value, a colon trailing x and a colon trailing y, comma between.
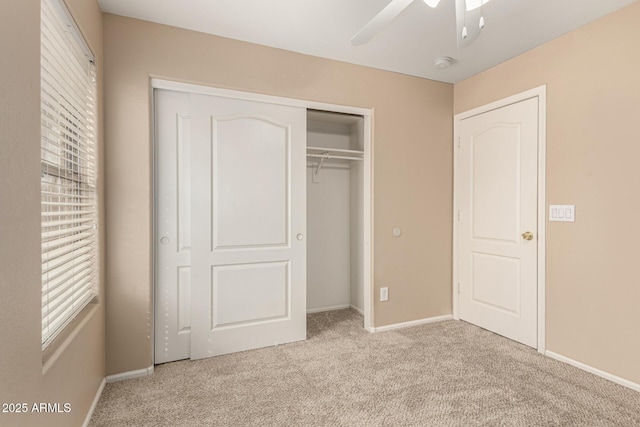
x: 299, y: 236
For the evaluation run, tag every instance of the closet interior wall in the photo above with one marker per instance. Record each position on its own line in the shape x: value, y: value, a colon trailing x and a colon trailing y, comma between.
x: 335, y: 207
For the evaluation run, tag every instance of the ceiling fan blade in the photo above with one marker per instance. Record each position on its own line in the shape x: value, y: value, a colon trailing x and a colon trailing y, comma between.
x: 381, y: 20
x: 471, y: 21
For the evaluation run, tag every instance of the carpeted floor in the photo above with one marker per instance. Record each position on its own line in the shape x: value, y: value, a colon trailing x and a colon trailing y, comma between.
x: 441, y: 374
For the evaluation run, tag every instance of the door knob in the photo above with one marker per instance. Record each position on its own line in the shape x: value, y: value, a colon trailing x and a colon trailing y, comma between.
x: 527, y: 235
x: 299, y: 236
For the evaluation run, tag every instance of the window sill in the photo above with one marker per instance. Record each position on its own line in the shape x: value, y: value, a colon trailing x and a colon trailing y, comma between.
x: 66, y: 337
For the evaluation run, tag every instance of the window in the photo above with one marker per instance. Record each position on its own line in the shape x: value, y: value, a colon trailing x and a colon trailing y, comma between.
x: 69, y: 171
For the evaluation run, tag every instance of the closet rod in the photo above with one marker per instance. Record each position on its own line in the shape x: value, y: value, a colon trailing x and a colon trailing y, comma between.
x: 323, y: 150
x: 329, y: 157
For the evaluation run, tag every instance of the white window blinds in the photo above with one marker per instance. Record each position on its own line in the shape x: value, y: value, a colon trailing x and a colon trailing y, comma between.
x: 68, y: 178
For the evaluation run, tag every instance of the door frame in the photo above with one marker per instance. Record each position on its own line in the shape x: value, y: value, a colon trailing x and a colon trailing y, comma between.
x: 367, y: 113
x: 539, y: 92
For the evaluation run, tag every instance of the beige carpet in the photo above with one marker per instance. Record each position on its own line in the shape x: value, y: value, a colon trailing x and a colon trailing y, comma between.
x: 442, y: 374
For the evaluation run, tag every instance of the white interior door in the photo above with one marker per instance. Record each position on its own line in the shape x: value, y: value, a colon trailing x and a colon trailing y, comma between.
x: 248, y: 256
x: 497, y: 231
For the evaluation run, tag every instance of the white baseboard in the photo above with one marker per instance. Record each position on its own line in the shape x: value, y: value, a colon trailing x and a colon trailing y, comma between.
x: 412, y: 323
x: 595, y: 371
x: 131, y: 374
x: 92, y: 408
x: 335, y: 307
x: 358, y: 309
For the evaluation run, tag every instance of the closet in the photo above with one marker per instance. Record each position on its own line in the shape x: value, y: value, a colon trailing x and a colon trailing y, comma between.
x: 335, y: 250
x: 261, y: 215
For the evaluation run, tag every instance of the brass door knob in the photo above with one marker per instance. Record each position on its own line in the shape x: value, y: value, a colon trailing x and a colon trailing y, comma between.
x: 527, y: 235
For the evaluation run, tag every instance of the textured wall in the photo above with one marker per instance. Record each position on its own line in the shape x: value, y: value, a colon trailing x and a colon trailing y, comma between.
x: 593, y: 144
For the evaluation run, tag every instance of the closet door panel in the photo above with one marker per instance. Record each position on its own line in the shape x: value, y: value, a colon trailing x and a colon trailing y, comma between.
x: 172, y: 276
x: 248, y: 225
x: 249, y: 293
x: 250, y: 188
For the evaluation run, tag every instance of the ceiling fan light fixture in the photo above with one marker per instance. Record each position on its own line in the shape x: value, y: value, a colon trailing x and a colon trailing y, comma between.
x: 432, y: 3
x: 442, y: 62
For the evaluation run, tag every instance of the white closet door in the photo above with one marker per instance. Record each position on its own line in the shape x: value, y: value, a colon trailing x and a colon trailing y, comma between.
x: 173, y: 227
x: 248, y: 222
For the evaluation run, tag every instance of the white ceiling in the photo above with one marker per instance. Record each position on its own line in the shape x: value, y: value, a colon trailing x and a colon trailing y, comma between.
x: 408, y: 45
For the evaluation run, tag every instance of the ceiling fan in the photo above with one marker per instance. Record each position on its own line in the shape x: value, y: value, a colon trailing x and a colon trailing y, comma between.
x: 469, y: 20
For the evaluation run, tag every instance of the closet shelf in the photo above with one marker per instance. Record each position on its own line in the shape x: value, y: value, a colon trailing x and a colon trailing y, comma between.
x: 328, y: 156
x: 334, y: 153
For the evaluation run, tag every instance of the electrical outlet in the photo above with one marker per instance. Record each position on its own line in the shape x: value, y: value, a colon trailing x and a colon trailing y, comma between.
x: 384, y: 294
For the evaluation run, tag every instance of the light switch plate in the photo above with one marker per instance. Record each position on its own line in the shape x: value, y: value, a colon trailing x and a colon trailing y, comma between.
x: 562, y: 213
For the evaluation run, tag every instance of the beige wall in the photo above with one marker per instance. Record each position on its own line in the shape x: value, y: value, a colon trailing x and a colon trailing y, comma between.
x: 593, y: 147
x: 413, y: 183
x: 76, y: 373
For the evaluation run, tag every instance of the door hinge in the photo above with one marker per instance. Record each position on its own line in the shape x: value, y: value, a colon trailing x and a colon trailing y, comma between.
x: 458, y: 142
x: 458, y: 215
x: 458, y: 287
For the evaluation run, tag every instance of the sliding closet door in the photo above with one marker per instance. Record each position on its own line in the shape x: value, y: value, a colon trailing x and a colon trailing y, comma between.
x: 248, y: 219
x: 172, y: 308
